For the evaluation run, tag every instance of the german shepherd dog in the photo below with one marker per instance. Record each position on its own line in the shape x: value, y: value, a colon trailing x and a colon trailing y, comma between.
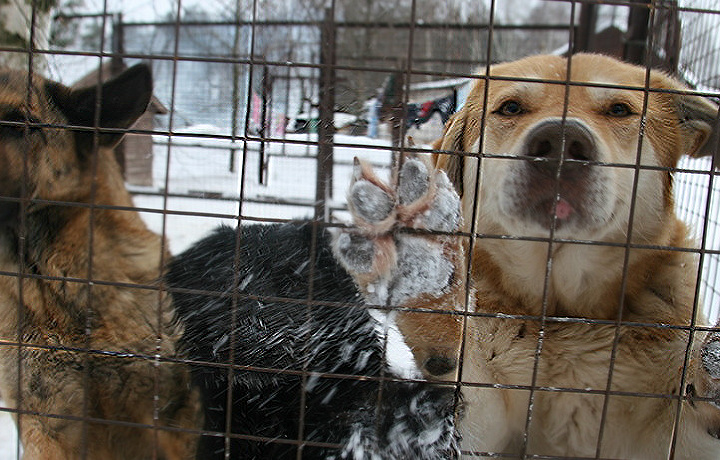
x: 581, y: 335
x: 86, y: 333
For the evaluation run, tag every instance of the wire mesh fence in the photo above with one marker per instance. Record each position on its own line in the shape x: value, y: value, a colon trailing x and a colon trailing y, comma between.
x: 258, y: 111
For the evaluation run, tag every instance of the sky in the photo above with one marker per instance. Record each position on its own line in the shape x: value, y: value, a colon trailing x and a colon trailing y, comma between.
x: 144, y: 10
x: 136, y: 10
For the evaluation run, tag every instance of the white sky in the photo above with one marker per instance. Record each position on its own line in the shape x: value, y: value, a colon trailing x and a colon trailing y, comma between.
x: 144, y: 10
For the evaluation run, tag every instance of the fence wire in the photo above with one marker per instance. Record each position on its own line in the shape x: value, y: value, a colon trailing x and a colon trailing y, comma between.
x: 237, y: 137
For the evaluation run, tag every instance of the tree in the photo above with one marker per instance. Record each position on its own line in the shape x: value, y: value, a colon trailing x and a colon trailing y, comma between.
x: 16, y: 19
x: 24, y: 20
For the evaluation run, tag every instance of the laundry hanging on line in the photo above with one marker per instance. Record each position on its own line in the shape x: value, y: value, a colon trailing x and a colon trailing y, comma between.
x: 419, y: 114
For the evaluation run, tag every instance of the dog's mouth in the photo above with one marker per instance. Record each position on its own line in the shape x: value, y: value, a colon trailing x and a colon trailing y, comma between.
x: 562, y: 209
x: 550, y: 210
x: 559, y: 211
x: 539, y: 200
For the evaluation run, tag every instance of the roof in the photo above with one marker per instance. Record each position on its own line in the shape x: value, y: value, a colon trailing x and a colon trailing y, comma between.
x: 451, y: 83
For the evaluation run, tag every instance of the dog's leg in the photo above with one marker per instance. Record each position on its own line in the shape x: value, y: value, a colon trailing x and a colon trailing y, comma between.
x: 420, y: 272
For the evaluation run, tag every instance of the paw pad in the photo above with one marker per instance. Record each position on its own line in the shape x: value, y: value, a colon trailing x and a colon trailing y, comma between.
x: 370, y: 202
x: 392, y: 266
x: 356, y: 251
x: 413, y: 181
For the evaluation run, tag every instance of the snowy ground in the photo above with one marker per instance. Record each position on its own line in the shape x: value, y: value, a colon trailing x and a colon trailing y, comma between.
x: 200, y: 166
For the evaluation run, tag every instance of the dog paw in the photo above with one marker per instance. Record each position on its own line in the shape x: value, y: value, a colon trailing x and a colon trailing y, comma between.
x: 708, y: 386
x: 391, y: 264
x: 703, y: 391
x: 402, y: 253
x: 710, y: 355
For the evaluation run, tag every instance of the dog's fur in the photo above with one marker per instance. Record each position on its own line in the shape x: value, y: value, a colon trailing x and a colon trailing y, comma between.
x: 71, y: 402
x: 274, y: 302
x: 587, y: 157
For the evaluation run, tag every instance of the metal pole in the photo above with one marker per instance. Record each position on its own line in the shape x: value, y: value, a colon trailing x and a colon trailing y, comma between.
x: 235, y: 109
x: 116, y: 68
x: 264, y: 124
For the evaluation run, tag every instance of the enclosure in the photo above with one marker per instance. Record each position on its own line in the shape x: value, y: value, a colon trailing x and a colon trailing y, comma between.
x: 260, y: 107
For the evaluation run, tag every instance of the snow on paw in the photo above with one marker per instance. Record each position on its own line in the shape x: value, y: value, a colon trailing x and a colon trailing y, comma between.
x: 382, y: 257
x: 444, y: 214
x: 709, y: 384
x: 371, y: 201
x: 427, y: 200
x: 355, y: 251
x: 703, y: 391
x: 413, y: 181
x: 396, y: 267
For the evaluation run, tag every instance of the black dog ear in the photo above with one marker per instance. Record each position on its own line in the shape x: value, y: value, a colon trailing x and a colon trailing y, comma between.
x: 122, y: 101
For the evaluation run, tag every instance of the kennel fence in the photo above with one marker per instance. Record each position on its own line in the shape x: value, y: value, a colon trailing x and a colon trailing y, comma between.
x: 224, y: 153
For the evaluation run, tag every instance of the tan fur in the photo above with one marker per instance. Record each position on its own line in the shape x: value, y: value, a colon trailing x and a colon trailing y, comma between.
x: 46, y: 302
x: 508, y: 276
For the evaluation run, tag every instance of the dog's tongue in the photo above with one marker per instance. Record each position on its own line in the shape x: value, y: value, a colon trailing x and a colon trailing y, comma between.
x: 563, y: 209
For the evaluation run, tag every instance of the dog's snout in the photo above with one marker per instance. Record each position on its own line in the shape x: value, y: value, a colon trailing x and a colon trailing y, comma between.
x: 555, y: 139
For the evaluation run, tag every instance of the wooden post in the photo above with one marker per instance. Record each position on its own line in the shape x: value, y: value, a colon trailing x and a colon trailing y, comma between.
x: 326, y: 125
x: 637, y: 34
x: 586, y: 28
x: 673, y: 40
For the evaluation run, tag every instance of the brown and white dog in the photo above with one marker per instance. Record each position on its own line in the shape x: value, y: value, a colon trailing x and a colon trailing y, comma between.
x: 579, y: 336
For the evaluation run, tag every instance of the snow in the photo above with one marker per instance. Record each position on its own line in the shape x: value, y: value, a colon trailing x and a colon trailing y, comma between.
x: 8, y: 437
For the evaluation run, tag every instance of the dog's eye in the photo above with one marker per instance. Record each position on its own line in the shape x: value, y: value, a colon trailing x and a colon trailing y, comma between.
x: 14, y: 123
x: 510, y: 108
x: 619, y: 110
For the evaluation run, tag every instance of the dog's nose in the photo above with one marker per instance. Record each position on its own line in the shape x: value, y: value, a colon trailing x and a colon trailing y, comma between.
x: 554, y: 139
x: 440, y: 365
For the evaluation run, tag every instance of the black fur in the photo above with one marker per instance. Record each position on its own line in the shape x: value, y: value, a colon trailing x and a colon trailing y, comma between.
x: 413, y: 421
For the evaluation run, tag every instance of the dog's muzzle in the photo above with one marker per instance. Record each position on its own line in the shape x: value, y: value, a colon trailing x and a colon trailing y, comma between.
x: 557, y: 177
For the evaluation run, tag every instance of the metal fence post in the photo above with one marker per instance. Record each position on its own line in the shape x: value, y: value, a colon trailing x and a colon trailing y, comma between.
x: 265, y: 122
x: 116, y: 67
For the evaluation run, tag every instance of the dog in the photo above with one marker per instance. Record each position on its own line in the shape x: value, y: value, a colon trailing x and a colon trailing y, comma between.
x: 571, y: 294
x: 289, y: 360
x: 88, y: 367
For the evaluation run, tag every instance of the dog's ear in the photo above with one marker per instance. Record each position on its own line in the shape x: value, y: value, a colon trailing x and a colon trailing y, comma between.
x: 453, y: 140
x: 699, y: 117
x: 122, y: 101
